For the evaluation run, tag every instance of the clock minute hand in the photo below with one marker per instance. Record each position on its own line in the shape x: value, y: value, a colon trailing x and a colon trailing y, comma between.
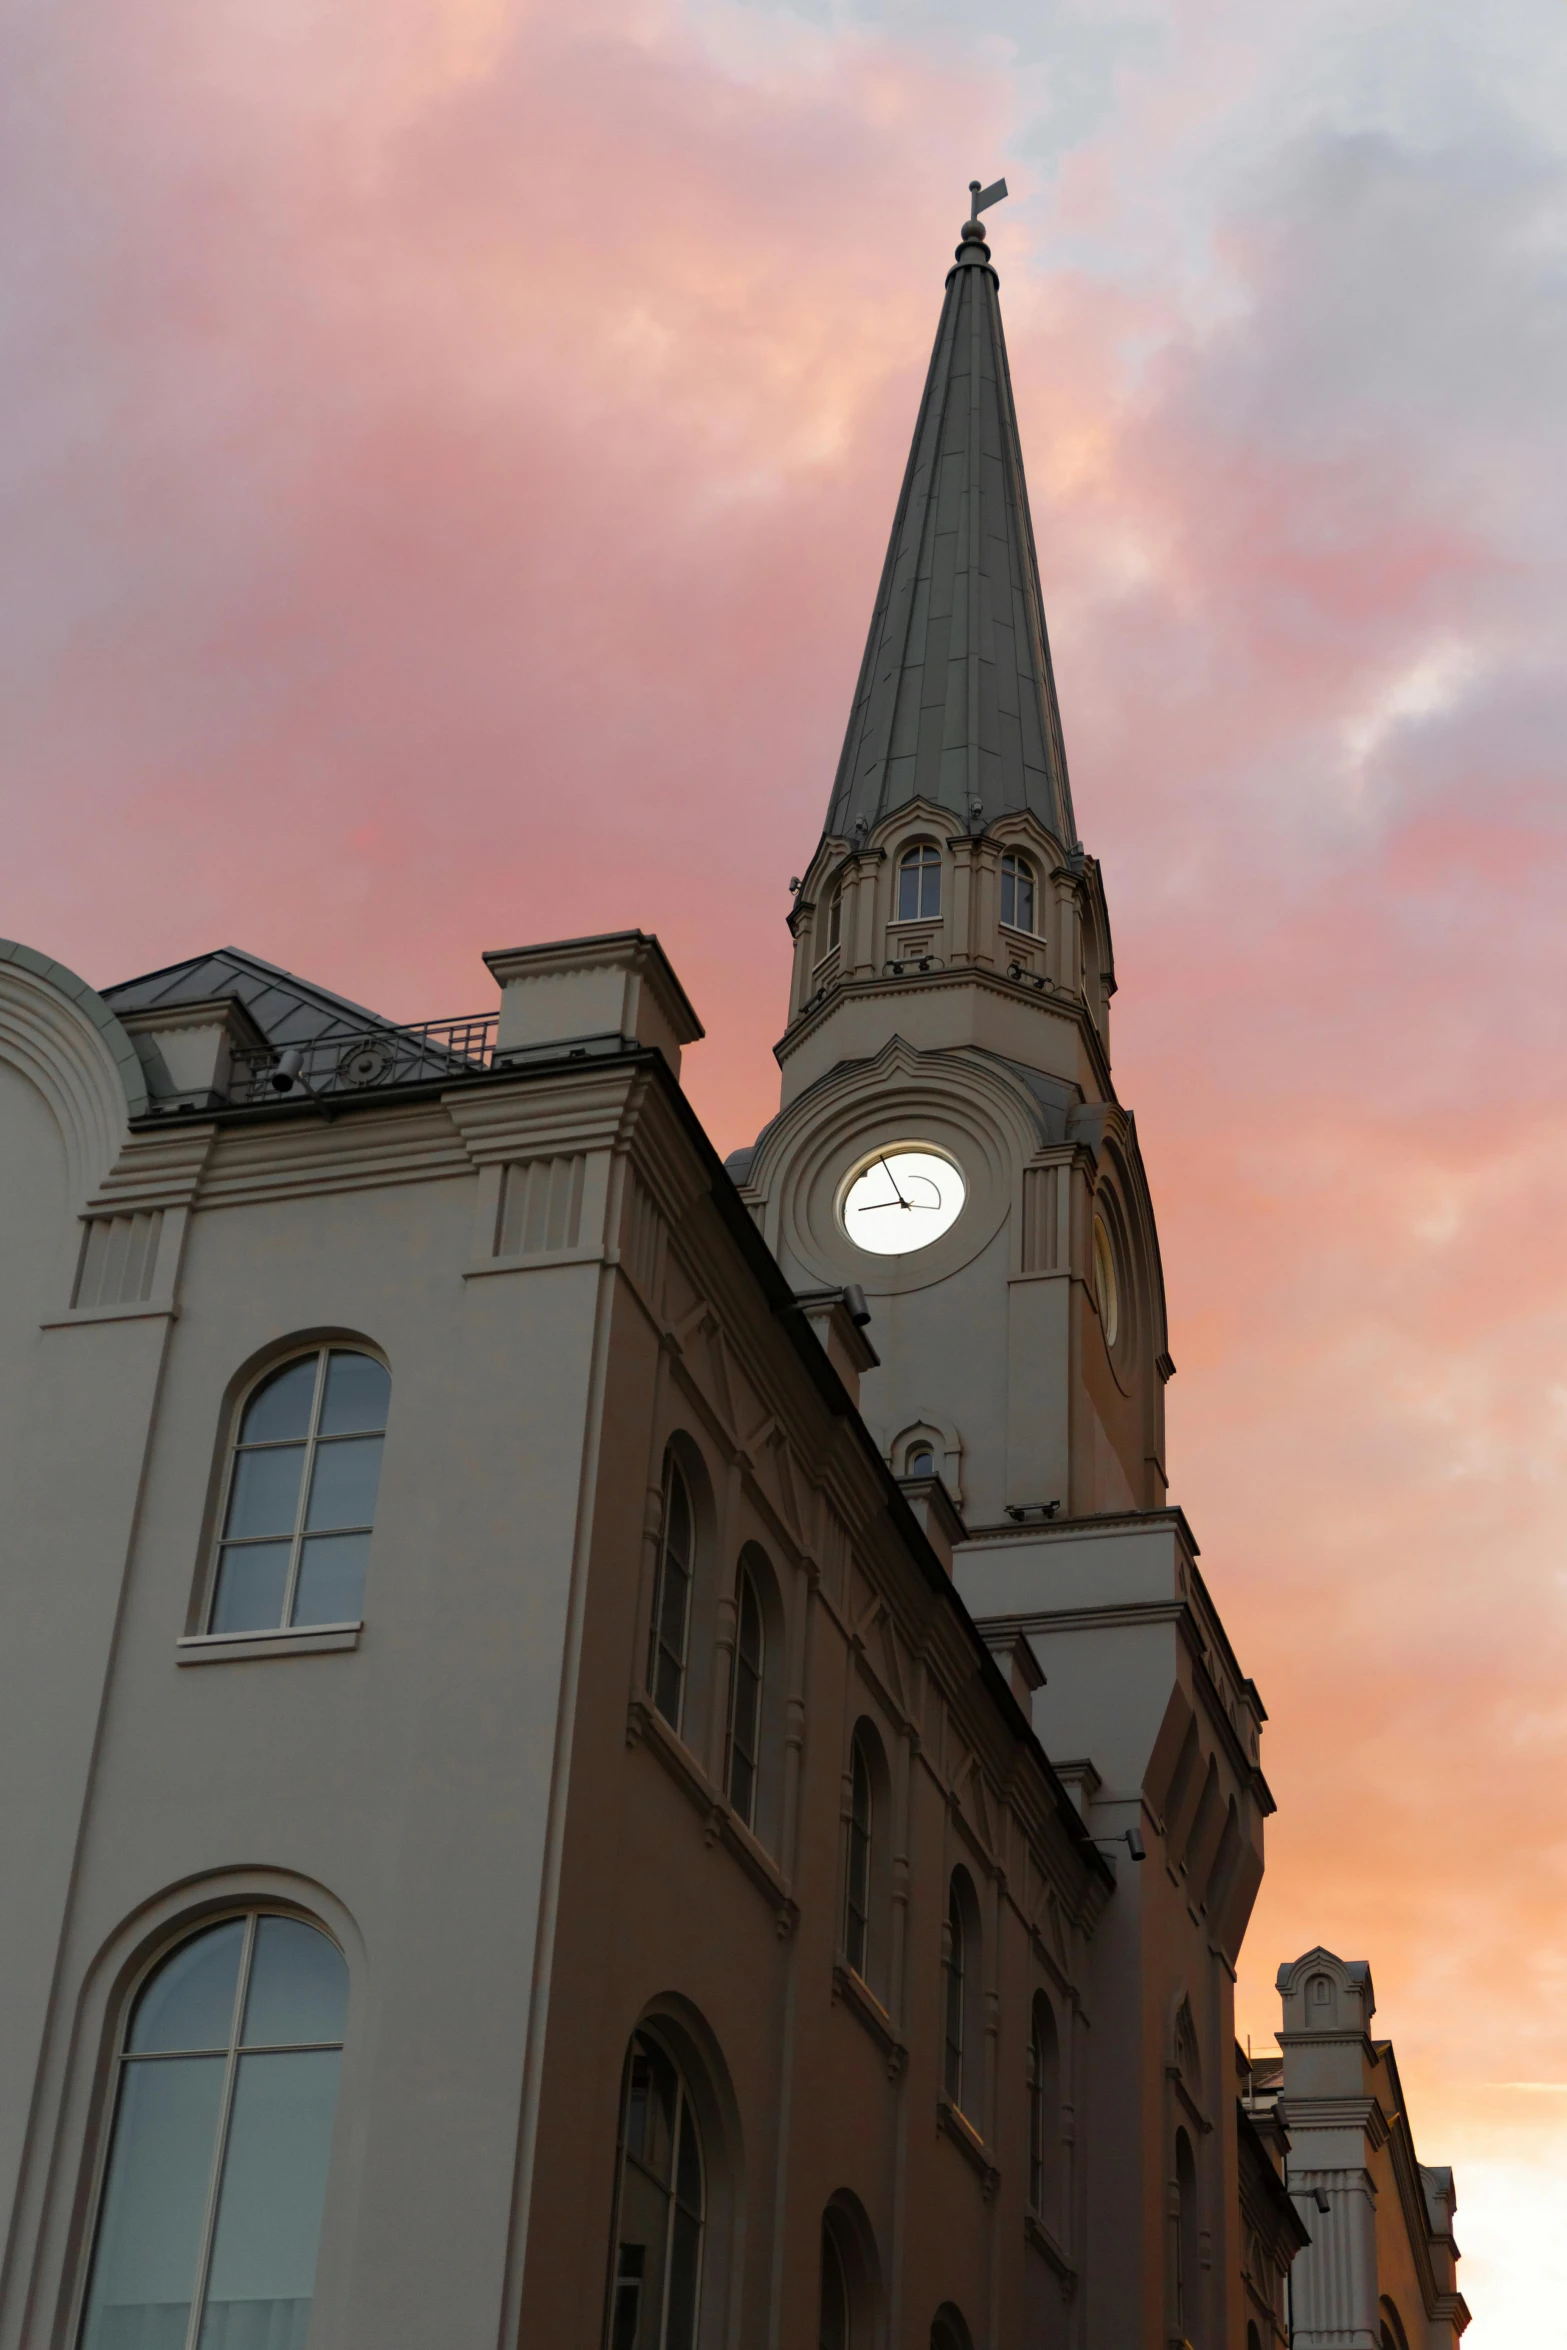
x: 893, y: 1180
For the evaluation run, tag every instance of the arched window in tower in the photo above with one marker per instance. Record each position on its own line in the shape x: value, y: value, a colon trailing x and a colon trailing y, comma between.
x: 1107, y: 1295
x: 921, y: 1461
x: 919, y: 883
x: 1017, y: 893
x: 745, y: 1696
x: 834, y: 915
x: 300, y: 1503
x: 857, y: 1895
x: 655, y: 2291
x: 212, y: 2197
x: 666, y: 1671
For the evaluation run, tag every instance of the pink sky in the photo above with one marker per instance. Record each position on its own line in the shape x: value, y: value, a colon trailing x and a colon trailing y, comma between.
x: 450, y: 445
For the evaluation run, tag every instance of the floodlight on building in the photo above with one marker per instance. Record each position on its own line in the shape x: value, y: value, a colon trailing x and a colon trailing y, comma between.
x: 286, y: 1069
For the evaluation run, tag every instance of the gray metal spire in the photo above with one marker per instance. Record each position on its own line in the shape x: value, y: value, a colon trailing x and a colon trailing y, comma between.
x: 956, y: 701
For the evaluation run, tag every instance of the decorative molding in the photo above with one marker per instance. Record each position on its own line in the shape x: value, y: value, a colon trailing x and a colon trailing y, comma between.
x: 862, y: 2003
x: 953, y: 2123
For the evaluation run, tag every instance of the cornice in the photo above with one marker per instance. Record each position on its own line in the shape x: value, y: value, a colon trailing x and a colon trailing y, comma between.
x: 1059, y: 1003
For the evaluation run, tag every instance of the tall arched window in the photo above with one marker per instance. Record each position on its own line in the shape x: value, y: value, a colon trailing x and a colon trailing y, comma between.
x: 655, y: 2292
x: 666, y: 1669
x: 834, y: 2332
x: 211, y: 2203
x: 949, y: 2332
x: 919, y: 883
x: 963, y: 2029
x: 745, y: 1696
x: 1044, y: 2112
x: 1017, y: 892
x: 834, y: 915
x: 857, y: 1897
x: 1188, y: 2274
x: 957, y: 1972
x: 301, y: 1495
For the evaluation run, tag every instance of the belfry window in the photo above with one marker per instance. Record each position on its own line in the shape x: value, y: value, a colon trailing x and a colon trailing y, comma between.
x: 745, y: 1697
x: 655, y: 2288
x: 212, y: 2197
x: 666, y: 1671
x: 1017, y: 893
x: 919, y: 883
x: 301, y: 1495
x: 834, y: 915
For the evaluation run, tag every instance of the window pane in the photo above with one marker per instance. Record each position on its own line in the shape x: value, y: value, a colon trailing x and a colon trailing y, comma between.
x: 644, y: 2226
x: 343, y: 1483
x: 269, y: 2211
x: 281, y: 1408
x: 252, y: 1582
x: 264, y: 1497
x: 189, y: 2002
x: 358, y: 1390
x: 909, y: 889
x: 298, y: 1985
x: 331, y: 1586
x: 154, y: 2204
x: 685, y: 2270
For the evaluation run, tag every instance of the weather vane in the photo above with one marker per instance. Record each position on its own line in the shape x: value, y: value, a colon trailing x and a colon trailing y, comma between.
x: 982, y: 198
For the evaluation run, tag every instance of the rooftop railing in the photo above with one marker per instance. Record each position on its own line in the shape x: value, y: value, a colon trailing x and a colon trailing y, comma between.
x: 435, y: 1052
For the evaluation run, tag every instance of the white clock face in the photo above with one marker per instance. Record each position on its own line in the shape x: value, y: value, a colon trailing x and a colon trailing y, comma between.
x: 902, y: 1200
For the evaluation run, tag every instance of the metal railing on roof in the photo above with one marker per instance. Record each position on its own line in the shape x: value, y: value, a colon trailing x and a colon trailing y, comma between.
x: 440, y: 1052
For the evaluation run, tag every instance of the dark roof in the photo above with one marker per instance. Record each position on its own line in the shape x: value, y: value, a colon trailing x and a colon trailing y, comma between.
x: 956, y: 700
x: 286, y: 1010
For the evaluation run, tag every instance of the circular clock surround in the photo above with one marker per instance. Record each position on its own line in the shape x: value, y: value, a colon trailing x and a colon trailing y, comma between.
x: 901, y: 1198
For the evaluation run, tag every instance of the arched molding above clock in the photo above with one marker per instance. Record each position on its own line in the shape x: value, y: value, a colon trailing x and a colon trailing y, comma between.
x: 956, y: 1106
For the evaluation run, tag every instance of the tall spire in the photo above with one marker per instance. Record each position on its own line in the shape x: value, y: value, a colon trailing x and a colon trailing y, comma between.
x: 956, y: 700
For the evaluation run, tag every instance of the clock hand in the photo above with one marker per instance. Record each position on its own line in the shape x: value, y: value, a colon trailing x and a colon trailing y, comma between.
x: 893, y: 1180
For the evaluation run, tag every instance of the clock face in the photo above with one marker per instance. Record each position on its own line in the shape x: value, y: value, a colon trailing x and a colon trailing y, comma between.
x: 902, y: 1200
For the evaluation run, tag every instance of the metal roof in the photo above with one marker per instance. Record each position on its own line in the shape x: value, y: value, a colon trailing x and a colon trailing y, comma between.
x: 956, y: 701
x: 286, y: 1010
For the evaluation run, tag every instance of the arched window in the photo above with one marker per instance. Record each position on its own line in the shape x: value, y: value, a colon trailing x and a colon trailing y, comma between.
x: 857, y: 1898
x: 1017, y: 893
x: 301, y: 1495
x: 1107, y: 1295
x: 1254, y: 2339
x: 211, y: 2203
x: 919, y: 883
x: 666, y: 1669
x: 834, y: 2332
x: 949, y: 2332
x: 921, y: 1461
x: 834, y: 915
x: 1187, y: 2270
x: 962, y: 2024
x: 1044, y: 2112
x: 655, y: 2292
x: 745, y: 1696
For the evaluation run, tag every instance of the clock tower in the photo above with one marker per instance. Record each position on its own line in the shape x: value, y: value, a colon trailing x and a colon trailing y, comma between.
x: 949, y: 1141
x: 949, y: 1136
